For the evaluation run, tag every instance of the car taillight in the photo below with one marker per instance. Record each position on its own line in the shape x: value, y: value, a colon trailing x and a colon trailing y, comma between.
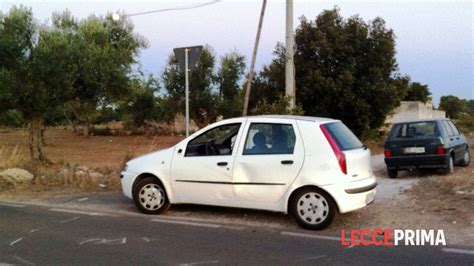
x: 341, y: 158
x: 388, y: 153
x: 440, y: 149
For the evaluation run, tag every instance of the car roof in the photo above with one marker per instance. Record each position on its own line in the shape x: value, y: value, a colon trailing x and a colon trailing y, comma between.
x: 422, y: 120
x: 295, y: 117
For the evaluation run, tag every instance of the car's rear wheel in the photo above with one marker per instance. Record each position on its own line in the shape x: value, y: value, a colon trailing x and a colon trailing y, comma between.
x: 150, y: 196
x: 392, y: 173
x: 466, y: 159
x: 450, y: 168
x: 313, y: 208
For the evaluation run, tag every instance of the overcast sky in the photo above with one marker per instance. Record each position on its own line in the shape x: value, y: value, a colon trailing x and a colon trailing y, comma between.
x: 434, y: 38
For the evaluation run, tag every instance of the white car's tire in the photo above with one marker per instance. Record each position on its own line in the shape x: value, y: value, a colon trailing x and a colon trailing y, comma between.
x: 150, y: 196
x: 313, y: 208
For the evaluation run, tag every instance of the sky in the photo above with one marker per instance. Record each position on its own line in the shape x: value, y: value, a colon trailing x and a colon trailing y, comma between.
x: 434, y: 39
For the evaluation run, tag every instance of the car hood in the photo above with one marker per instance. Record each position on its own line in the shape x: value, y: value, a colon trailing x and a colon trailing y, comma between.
x: 150, y: 160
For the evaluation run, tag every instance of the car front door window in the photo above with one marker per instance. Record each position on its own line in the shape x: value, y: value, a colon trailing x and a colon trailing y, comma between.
x: 216, y: 141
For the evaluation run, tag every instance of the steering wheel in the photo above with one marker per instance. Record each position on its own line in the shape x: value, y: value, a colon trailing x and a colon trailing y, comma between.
x: 212, y: 148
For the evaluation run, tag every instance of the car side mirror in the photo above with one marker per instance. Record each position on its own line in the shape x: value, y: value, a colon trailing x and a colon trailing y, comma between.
x: 180, y: 150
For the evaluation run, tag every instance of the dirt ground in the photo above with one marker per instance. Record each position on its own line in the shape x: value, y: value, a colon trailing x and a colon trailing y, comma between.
x: 435, y: 201
x: 63, y: 145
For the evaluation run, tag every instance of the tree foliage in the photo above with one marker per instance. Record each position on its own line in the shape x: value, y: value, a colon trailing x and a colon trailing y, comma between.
x: 83, y: 63
x: 470, y: 106
x: 142, y: 104
x: 414, y: 91
x: 344, y: 70
x: 211, y: 94
x: 229, y: 76
x: 35, y: 71
x: 453, y: 106
x: 104, y: 52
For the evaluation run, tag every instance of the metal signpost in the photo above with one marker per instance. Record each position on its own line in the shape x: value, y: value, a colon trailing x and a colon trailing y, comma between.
x: 187, y: 58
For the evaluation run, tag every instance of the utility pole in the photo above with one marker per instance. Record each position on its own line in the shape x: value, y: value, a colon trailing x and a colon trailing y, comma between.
x: 186, y: 82
x: 254, y: 57
x: 289, y: 62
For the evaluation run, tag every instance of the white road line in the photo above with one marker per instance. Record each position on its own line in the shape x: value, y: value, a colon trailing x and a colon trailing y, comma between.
x: 148, y: 240
x: 199, y: 263
x: 6, y: 204
x: 83, y: 199
x: 233, y: 226
x: 68, y: 220
x: 16, y: 241
x: 23, y: 260
x: 186, y: 223
x: 460, y: 251
x: 81, y: 212
x: 37, y: 229
x: 90, y: 240
x: 333, y: 238
x: 314, y: 258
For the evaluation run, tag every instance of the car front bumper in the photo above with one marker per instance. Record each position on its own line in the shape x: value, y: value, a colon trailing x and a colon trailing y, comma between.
x: 353, y: 195
x: 417, y: 161
x: 126, y: 180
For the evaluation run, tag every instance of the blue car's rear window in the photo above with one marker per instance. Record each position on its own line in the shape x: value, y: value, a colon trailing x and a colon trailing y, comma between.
x: 415, y: 130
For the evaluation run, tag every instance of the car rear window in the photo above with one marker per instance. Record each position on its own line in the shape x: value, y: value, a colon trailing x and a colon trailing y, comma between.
x: 415, y: 130
x: 346, y: 140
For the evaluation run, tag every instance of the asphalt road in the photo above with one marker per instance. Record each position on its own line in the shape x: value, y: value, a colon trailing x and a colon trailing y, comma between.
x: 44, y: 234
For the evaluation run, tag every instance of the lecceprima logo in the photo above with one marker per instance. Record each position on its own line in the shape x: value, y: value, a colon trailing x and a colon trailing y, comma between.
x: 392, y: 237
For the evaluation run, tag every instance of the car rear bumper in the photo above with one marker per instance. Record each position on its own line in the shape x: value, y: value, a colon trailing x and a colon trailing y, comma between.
x: 353, y: 195
x: 417, y: 161
x: 126, y: 180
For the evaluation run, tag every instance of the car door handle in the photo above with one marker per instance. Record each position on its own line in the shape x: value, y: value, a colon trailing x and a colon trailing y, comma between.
x: 287, y: 162
x: 222, y: 163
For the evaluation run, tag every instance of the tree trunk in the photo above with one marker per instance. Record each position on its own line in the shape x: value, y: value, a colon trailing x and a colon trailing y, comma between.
x: 85, y: 129
x: 36, y: 144
x: 43, y: 141
x: 71, y: 122
x: 74, y: 127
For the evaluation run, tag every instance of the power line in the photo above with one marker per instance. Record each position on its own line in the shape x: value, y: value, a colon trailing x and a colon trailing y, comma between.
x: 175, y: 8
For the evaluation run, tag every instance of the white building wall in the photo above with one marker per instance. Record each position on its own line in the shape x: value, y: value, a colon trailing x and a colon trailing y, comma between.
x: 411, y: 110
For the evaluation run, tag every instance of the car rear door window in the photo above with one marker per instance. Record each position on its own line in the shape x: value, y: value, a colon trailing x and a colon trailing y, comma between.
x: 344, y: 137
x: 448, y: 128
x: 269, y: 138
x: 454, y: 128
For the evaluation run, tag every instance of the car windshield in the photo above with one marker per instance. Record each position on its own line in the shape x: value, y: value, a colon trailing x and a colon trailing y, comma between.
x: 415, y: 130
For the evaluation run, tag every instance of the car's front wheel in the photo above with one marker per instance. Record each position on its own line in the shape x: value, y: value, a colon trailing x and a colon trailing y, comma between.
x: 313, y: 208
x: 466, y: 159
x: 150, y: 196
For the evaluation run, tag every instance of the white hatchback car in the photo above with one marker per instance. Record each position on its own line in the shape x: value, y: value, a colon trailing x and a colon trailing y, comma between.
x: 307, y: 166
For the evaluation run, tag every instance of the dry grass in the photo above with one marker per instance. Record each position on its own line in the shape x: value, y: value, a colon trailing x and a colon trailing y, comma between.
x: 103, y: 156
x: 10, y: 158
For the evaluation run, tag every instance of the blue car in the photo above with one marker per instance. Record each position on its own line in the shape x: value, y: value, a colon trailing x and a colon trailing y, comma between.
x: 433, y: 143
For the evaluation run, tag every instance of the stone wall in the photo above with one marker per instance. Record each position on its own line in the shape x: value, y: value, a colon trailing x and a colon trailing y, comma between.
x: 410, y: 110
